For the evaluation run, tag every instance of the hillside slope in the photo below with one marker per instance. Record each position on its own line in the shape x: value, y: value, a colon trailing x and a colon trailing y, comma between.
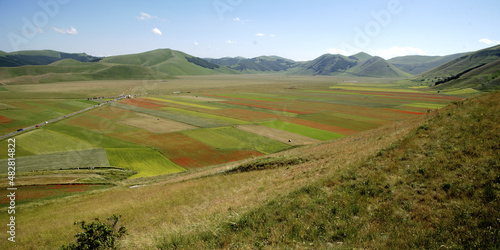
x: 40, y: 57
x: 360, y: 64
x: 415, y: 65
x: 255, y: 65
x: 478, y: 70
x: 170, y: 62
x: 377, y: 67
x: 72, y: 70
x: 438, y: 186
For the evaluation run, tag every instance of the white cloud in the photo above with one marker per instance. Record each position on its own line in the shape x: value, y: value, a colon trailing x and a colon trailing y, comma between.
x: 71, y: 31
x: 196, y: 43
x: 156, y: 31
x: 230, y: 42
x: 488, y: 41
x: 398, y: 51
x: 337, y: 51
x: 239, y: 20
x: 145, y: 16
x: 260, y: 34
x: 272, y: 35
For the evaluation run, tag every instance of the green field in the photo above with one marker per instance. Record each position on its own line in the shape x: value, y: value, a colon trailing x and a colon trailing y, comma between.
x: 229, y: 138
x: 57, y: 161
x: 211, y: 110
x: 44, y: 141
x: 216, y: 118
x: 303, y: 130
x: 146, y: 162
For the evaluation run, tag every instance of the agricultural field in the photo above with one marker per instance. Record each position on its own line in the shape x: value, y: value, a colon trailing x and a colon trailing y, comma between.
x: 146, y: 162
x: 155, y: 124
x: 175, y: 125
x: 47, y: 192
x: 278, y: 134
x: 191, y: 128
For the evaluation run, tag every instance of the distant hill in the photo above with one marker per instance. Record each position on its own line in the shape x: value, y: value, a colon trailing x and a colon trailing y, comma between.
x: 255, y: 65
x: 377, y: 67
x: 361, y: 56
x: 419, y: 64
x: 479, y: 70
x: 72, y: 70
x: 156, y: 64
x: 40, y: 57
x: 171, y: 62
x: 326, y: 64
x: 360, y: 64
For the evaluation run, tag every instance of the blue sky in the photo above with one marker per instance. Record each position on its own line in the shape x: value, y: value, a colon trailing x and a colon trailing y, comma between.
x: 299, y: 30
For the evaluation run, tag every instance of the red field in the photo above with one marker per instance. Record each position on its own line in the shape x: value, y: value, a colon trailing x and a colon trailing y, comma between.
x: 326, y: 127
x: 32, y: 193
x: 184, y: 150
x: 143, y: 103
x: 4, y: 119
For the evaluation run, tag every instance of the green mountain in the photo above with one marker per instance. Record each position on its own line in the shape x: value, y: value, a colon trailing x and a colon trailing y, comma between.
x: 475, y: 70
x: 361, y: 56
x: 73, y: 70
x: 418, y: 64
x: 40, y: 57
x: 479, y: 70
x: 254, y: 65
x: 326, y: 64
x: 171, y: 62
x: 377, y: 67
x: 360, y: 64
x: 156, y: 64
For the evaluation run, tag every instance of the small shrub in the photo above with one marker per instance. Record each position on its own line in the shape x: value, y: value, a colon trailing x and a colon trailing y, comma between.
x: 446, y: 186
x: 98, y: 235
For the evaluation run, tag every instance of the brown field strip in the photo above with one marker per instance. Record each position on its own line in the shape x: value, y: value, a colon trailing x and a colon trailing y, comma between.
x: 200, y: 98
x: 278, y: 134
x: 155, y: 124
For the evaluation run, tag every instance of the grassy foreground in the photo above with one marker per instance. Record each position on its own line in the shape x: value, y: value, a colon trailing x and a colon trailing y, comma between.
x: 427, y: 182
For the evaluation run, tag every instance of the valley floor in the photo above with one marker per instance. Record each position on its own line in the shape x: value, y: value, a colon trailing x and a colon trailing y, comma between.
x: 414, y: 181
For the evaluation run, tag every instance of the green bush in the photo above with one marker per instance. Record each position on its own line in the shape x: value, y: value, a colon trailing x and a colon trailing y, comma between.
x: 98, y: 235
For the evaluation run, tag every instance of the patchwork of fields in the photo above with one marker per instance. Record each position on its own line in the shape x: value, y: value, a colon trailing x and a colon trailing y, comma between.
x: 166, y: 133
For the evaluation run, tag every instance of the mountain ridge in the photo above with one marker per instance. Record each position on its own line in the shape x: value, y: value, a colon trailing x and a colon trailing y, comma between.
x: 161, y: 63
x: 40, y: 57
x: 417, y: 64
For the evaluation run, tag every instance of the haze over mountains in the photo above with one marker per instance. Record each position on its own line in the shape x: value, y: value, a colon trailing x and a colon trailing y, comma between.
x: 478, y: 69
